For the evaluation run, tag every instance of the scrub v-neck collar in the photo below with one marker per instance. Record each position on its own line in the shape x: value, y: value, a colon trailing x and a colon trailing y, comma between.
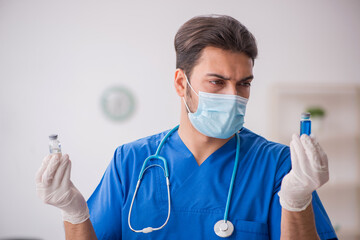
x: 183, y: 165
x: 190, y: 155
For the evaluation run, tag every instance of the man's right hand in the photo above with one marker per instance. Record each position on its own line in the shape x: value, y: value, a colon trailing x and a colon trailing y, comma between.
x: 54, y: 187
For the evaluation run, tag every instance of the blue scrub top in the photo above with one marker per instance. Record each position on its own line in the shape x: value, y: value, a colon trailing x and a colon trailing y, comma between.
x: 198, y: 193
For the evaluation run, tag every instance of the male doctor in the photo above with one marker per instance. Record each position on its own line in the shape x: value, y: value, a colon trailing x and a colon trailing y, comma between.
x: 273, y: 189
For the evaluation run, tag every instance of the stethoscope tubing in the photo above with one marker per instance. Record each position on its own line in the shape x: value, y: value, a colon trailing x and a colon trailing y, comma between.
x: 150, y: 229
x: 232, y: 177
x: 166, y: 173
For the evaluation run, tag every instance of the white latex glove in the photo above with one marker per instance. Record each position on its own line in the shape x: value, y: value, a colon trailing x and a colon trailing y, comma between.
x: 309, y: 172
x: 54, y: 187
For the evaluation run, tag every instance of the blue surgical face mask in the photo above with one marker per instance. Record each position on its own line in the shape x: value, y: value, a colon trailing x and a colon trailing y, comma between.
x: 218, y: 115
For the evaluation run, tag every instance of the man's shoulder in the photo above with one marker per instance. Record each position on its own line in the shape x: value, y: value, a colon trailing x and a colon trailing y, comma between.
x: 256, y: 140
x: 273, y: 153
x: 145, y: 143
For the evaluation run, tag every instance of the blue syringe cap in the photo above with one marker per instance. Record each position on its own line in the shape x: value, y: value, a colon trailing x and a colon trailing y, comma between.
x: 305, y: 115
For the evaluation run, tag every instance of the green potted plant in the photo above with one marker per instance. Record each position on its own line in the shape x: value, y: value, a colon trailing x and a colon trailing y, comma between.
x: 317, y: 117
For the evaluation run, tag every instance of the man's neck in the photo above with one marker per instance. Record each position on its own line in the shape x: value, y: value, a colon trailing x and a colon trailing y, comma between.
x: 200, y: 145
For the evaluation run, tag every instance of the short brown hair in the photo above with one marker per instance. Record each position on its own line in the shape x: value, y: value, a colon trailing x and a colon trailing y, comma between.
x: 220, y: 31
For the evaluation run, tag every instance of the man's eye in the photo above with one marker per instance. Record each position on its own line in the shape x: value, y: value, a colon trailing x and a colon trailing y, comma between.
x: 245, y: 84
x: 217, y: 82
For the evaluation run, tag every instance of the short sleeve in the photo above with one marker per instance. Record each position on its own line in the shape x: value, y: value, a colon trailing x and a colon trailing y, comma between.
x: 105, y: 203
x: 274, y: 219
x: 322, y: 221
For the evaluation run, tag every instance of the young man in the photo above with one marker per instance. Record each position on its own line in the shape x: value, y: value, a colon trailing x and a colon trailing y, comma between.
x: 224, y: 180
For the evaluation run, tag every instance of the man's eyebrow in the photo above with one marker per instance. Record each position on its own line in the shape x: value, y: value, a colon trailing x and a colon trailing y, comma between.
x: 218, y: 76
x: 247, y: 78
x: 227, y: 78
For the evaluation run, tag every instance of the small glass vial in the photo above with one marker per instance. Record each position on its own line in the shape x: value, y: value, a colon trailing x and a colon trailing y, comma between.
x: 305, y: 124
x: 54, y: 144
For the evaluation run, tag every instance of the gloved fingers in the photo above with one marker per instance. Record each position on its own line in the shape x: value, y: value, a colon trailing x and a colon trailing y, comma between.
x: 294, y: 158
x: 322, y: 154
x: 314, y: 153
x: 295, y: 168
x: 40, y: 172
x: 50, y: 170
x: 59, y: 175
x: 300, y: 152
x: 303, y: 172
x: 318, y: 166
x: 66, y: 182
x: 310, y: 151
x: 323, y: 162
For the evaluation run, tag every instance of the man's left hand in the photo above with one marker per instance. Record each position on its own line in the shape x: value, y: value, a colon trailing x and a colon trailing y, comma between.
x: 309, y: 172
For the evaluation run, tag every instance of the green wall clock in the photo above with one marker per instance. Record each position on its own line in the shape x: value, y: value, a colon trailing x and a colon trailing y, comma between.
x: 118, y: 103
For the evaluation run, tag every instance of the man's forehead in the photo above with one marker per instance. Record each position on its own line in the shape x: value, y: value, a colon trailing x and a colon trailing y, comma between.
x: 223, y: 62
x: 217, y: 56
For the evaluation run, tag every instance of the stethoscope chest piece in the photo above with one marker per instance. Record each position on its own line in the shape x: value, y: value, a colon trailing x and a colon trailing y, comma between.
x: 224, y: 229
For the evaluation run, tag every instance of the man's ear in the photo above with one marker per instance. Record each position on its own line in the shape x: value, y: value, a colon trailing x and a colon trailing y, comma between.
x: 180, y: 82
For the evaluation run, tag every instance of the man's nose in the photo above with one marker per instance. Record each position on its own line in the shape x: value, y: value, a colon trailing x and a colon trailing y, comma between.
x: 231, y: 89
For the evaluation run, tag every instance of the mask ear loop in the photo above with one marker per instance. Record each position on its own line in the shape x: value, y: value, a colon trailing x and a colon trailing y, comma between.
x: 190, y: 85
x: 187, y: 107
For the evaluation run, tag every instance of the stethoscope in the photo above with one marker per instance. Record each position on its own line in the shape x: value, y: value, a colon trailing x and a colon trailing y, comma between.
x: 223, y: 228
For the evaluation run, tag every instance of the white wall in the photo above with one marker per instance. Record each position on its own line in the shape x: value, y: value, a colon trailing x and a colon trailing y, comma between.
x: 57, y: 57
